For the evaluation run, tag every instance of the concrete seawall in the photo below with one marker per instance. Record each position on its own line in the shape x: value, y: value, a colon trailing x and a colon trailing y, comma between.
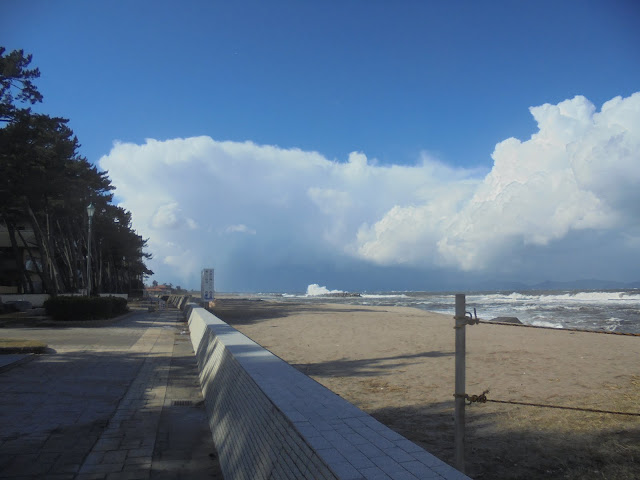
x: 269, y: 420
x: 38, y: 299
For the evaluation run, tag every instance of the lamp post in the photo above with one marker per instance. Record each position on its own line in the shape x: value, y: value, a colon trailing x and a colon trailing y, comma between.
x: 90, y: 211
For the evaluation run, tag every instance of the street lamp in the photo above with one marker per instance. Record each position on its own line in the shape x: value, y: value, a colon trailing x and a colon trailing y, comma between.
x: 90, y: 211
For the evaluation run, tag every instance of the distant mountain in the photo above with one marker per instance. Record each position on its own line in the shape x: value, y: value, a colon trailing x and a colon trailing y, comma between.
x: 492, y: 284
x: 585, y: 284
x: 500, y: 285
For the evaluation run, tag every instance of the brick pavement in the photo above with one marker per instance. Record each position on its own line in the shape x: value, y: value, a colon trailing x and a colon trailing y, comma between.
x: 102, y: 406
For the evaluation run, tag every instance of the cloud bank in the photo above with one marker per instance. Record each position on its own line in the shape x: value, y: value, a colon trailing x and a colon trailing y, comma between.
x: 565, y: 203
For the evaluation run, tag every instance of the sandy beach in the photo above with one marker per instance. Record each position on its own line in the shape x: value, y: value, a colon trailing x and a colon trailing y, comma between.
x: 398, y: 365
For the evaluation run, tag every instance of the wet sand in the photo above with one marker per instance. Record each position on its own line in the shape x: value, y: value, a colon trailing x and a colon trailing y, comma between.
x: 397, y: 364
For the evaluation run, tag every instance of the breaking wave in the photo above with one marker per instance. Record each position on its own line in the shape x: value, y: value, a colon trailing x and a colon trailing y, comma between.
x: 315, y: 290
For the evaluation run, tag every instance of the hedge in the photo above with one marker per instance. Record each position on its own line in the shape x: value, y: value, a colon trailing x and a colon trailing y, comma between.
x: 85, y: 308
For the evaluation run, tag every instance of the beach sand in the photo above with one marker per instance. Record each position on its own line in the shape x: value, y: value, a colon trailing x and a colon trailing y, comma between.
x: 397, y: 364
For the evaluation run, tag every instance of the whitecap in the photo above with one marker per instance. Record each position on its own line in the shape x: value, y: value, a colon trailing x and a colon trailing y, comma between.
x: 315, y: 290
x: 373, y: 295
x: 544, y: 323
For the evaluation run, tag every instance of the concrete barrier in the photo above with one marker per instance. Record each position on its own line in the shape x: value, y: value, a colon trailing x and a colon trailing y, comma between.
x: 179, y: 301
x: 119, y: 295
x: 37, y: 299
x: 268, y: 420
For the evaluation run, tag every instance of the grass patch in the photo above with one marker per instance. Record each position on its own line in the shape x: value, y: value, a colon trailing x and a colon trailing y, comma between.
x: 16, y: 345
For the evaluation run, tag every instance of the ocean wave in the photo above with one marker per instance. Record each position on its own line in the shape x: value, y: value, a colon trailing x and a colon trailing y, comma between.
x: 595, y: 298
x: 545, y: 323
x: 315, y: 290
x: 374, y: 295
x: 612, y: 324
x: 592, y: 310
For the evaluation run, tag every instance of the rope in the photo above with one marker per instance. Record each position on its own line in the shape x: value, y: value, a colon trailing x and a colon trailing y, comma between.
x: 482, y: 398
x: 558, y: 329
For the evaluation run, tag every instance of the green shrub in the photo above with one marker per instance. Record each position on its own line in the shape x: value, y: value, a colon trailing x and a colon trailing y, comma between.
x: 85, y: 308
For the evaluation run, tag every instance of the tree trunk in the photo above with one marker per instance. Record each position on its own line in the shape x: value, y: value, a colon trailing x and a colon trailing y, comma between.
x: 33, y: 260
x: 47, y: 275
x: 99, y: 280
x: 25, y: 280
x: 66, y: 257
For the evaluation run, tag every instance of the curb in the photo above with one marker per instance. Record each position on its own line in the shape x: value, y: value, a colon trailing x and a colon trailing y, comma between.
x: 86, y: 323
x: 7, y: 362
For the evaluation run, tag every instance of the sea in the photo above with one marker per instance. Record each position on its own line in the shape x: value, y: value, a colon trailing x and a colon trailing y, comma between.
x: 602, y: 310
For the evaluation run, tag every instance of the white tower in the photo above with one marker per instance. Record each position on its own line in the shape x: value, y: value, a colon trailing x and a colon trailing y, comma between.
x: 206, y: 285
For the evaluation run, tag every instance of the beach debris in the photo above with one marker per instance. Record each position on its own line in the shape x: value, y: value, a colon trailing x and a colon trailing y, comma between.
x: 513, y: 320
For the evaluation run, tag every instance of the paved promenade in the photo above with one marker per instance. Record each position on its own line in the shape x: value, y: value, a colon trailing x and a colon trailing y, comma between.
x: 113, y: 400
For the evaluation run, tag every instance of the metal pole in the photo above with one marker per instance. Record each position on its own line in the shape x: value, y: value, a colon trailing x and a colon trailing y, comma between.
x: 89, y: 259
x: 460, y: 323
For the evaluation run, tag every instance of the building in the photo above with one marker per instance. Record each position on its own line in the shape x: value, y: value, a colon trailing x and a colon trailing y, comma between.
x: 23, y: 277
x: 158, y: 290
x: 206, y: 285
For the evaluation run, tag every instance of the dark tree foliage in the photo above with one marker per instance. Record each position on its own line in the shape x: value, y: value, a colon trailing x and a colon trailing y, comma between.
x: 45, y: 188
x: 16, y: 83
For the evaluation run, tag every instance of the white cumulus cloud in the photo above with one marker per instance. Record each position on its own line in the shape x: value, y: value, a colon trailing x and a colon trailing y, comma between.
x: 579, y: 172
x: 203, y: 202
x: 170, y: 216
x: 240, y: 229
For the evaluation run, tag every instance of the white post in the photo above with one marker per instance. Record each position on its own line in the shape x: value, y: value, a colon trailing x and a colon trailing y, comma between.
x: 90, y: 211
x: 89, y: 259
x: 460, y: 324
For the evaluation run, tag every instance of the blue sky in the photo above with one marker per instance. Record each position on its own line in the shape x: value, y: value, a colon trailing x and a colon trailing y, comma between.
x: 431, y: 87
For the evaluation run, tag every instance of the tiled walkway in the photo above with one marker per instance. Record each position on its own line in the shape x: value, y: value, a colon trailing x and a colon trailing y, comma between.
x: 105, y: 404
